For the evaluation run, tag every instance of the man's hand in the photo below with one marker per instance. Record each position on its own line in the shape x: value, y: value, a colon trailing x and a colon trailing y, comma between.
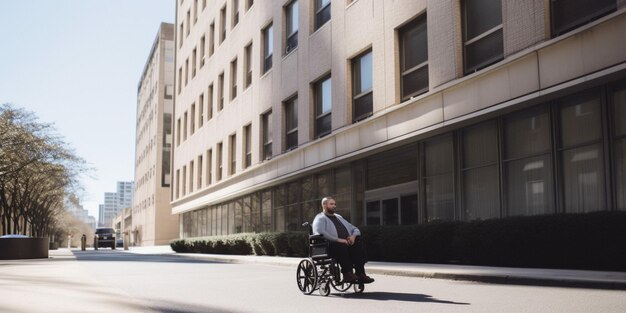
x: 344, y: 241
x: 351, y: 240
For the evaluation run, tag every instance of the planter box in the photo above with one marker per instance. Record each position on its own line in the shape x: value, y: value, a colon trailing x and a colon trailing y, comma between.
x: 23, y: 248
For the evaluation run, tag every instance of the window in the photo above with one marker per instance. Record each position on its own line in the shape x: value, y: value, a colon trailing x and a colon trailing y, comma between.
x: 619, y: 138
x: 438, y: 178
x: 266, y: 122
x: 209, y: 166
x: 218, y: 175
x: 177, y: 184
x: 194, y: 60
x: 322, y: 12
x: 185, y: 126
x: 528, y: 162
x: 223, y: 24
x: 202, y: 50
x: 184, y: 181
x: 178, y: 132
x: 203, y: 5
x: 249, y: 4
x: 201, y: 110
x: 362, y: 95
x: 186, y: 72
x: 180, y: 79
x: 209, y: 111
x: 233, y: 79
x: 211, y: 38
x: 291, y: 26
x: 414, y: 58
x: 188, y: 22
x: 247, y: 133
x: 235, y: 13
x: 323, y: 107
x: 248, y: 65
x: 482, y: 33
x: 268, y: 47
x: 195, y: 11
x: 180, y: 37
x: 291, y: 123
x: 568, y: 15
x: 582, y: 153
x: 220, y: 92
x: 199, y: 182
x: 192, y: 124
x: 233, y: 154
x: 191, y: 171
x: 479, y: 172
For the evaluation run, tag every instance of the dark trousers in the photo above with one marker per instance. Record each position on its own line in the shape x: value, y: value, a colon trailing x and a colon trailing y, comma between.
x: 349, y: 256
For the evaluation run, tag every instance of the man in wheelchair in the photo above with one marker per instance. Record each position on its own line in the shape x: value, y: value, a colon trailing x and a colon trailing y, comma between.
x: 345, y: 245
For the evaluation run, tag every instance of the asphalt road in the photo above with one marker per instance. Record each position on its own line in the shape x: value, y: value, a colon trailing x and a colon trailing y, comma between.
x: 116, y: 281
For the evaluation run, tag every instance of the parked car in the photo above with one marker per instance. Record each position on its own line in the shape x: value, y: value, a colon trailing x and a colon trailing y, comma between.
x: 105, y: 237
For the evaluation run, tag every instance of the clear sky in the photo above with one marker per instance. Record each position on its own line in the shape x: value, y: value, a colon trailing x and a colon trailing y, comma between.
x: 77, y: 63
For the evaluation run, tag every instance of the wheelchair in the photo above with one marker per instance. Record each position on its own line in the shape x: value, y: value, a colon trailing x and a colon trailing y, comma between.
x: 320, y: 271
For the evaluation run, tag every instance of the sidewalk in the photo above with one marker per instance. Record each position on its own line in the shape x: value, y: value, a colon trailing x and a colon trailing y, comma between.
x: 496, y: 275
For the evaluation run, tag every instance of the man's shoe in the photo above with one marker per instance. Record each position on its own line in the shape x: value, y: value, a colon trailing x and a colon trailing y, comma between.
x: 364, y: 279
x: 349, y: 278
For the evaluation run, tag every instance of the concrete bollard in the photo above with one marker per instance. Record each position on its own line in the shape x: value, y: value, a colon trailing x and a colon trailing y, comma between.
x: 83, y: 242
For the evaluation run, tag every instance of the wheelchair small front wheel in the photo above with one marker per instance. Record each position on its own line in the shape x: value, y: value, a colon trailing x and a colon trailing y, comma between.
x: 306, y: 276
x: 339, y: 286
x: 325, y: 289
x: 358, y: 288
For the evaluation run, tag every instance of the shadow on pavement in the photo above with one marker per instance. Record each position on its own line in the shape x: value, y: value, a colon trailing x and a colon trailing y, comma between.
x: 397, y: 296
x: 120, y: 256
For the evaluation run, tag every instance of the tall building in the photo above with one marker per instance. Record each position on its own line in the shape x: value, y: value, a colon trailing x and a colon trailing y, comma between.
x: 405, y: 111
x: 114, y: 202
x: 152, y: 219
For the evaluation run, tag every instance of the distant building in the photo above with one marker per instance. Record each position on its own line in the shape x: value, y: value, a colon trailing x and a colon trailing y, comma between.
x: 152, y: 219
x: 114, y: 202
x: 407, y: 112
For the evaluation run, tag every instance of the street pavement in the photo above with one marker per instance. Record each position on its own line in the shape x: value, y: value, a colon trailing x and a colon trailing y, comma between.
x: 498, y: 275
x: 155, y: 279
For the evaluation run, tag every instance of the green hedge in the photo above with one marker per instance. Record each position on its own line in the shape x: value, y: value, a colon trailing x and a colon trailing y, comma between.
x: 284, y: 244
x: 579, y: 241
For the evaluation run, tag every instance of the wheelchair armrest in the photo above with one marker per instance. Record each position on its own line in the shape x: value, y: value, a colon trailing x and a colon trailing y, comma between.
x: 316, y: 237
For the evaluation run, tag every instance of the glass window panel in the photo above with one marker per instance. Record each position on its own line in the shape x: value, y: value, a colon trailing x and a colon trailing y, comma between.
x: 484, y: 52
x: 279, y: 214
x: 481, y: 193
x: 363, y: 73
x: 390, y: 212
x: 439, y: 198
x: 619, y: 112
x: 294, y: 217
x: 309, y: 210
x: 266, y: 210
x: 363, y: 106
x: 269, y: 40
x: 583, y: 179
x: 529, y: 186
x: 326, y: 96
x: 392, y: 167
x: 527, y: 133
x: 408, y: 207
x: 292, y: 21
x: 323, y: 125
x: 480, y: 145
x: 373, y: 213
x: 415, y: 82
x: 414, y: 43
x: 620, y: 174
x: 438, y: 156
x: 292, y: 114
x: 481, y: 16
x: 343, y: 183
x: 324, y: 184
x: 580, y: 119
x: 568, y: 14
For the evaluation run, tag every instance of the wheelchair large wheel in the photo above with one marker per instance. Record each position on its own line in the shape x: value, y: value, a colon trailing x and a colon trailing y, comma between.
x: 306, y: 276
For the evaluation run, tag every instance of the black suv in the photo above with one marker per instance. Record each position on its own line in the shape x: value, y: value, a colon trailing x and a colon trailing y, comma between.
x: 105, y: 237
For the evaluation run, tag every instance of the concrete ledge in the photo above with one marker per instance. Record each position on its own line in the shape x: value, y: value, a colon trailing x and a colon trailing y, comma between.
x: 23, y: 248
